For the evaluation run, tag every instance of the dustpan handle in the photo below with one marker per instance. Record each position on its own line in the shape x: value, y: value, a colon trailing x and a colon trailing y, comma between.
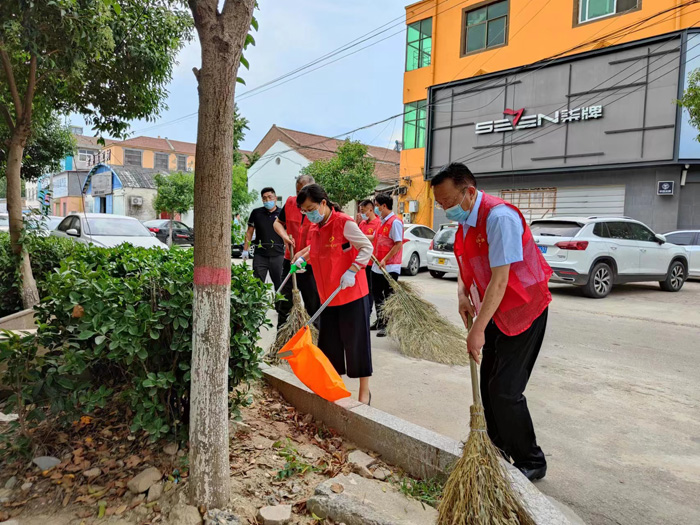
x: 323, y: 306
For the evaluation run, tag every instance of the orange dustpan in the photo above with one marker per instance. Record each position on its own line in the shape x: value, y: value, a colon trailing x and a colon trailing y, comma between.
x: 311, y: 365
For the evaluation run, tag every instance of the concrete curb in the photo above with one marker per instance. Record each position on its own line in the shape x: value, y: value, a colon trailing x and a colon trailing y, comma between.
x: 22, y: 320
x: 420, y: 452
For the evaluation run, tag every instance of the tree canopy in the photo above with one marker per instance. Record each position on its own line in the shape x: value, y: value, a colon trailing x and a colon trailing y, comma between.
x: 175, y: 192
x: 241, y: 198
x: 346, y: 177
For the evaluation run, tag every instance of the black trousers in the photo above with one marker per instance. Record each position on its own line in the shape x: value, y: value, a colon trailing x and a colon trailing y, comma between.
x: 309, y: 293
x: 506, y: 366
x: 345, y: 339
x: 381, y: 289
x: 262, y: 265
x: 368, y: 272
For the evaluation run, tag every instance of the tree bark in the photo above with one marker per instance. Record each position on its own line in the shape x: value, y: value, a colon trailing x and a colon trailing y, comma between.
x: 170, y: 231
x: 221, y: 36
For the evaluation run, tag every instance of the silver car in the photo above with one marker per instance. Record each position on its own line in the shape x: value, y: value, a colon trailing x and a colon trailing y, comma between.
x: 441, y: 256
x: 690, y: 240
x: 106, y: 230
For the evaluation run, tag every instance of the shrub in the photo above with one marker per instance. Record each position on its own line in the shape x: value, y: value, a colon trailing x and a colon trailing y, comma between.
x: 45, y: 254
x: 117, y: 322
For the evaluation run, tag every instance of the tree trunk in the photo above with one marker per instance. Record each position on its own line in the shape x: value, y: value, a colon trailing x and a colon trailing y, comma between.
x: 221, y: 36
x: 170, y: 231
x: 29, y: 292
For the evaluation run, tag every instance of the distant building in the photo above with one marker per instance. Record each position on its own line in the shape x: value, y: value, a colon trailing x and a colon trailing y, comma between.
x: 150, y: 153
x: 284, y: 152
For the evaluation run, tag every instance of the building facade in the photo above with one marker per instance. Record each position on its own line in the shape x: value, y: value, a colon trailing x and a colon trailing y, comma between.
x: 150, y: 153
x: 563, y: 108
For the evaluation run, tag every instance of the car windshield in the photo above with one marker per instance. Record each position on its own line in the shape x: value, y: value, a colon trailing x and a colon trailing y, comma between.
x: 155, y: 224
x: 555, y: 228
x: 53, y: 222
x: 4, y: 221
x: 445, y: 236
x: 116, y: 227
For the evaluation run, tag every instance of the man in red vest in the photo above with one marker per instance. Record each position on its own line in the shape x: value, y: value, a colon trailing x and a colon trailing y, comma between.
x: 369, y: 225
x: 293, y: 227
x: 503, y: 285
x: 388, y: 249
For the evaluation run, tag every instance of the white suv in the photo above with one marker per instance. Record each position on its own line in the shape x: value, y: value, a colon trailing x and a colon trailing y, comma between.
x: 597, y: 252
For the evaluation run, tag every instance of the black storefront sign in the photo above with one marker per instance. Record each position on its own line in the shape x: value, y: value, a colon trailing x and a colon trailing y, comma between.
x: 665, y: 187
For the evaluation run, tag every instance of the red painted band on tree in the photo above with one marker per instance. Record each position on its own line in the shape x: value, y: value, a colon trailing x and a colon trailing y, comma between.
x: 204, y: 276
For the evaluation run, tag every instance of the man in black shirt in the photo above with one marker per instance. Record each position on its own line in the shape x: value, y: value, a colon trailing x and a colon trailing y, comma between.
x: 269, y: 247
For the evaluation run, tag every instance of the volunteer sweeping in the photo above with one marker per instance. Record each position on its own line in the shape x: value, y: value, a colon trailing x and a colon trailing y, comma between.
x: 504, y: 273
x: 338, y: 252
x: 369, y: 226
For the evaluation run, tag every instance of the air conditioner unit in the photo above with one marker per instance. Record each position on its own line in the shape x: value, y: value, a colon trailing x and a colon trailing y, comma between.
x: 413, y: 206
x: 136, y: 201
x: 407, y: 218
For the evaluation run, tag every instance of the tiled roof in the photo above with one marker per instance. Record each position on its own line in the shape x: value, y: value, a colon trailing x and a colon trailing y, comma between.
x: 84, y: 141
x: 159, y: 144
x: 135, y: 177
x: 317, y: 147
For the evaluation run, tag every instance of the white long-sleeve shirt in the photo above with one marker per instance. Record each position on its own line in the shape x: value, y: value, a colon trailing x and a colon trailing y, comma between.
x: 359, y: 240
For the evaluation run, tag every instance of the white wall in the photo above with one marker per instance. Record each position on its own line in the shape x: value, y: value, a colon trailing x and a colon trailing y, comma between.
x: 281, y: 176
x: 145, y: 212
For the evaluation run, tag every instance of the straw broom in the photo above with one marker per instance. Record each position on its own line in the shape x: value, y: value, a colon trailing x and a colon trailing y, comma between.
x: 478, y: 491
x: 418, y: 327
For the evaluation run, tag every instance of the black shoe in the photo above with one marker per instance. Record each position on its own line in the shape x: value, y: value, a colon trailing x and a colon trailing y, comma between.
x: 381, y: 332
x: 374, y: 326
x: 533, y: 474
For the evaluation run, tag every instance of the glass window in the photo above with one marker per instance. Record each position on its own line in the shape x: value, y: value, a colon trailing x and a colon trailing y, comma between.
x: 620, y: 230
x: 425, y: 233
x: 182, y: 163
x: 161, y: 161
x: 85, y: 155
x: 555, y: 228
x: 419, y: 44
x: 415, y: 114
x: 601, y: 230
x: 593, y: 9
x: 75, y: 224
x: 641, y: 232
x: 65, y: 224
x: 486, y: 27
x: 682, y: 238
x: 132, y: 157
x: 445, y: 236
x: 118, y: 227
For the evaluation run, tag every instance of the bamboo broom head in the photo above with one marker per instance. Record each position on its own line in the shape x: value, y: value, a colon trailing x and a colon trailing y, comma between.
x: 420, y: 329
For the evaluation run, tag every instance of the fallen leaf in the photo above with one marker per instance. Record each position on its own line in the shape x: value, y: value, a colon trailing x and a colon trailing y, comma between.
x: 132, y: 461
x: 121, y: 509
x: 78, y: 311
x: 337, y: 488
x: 66, y: 499
x: 85, y: 513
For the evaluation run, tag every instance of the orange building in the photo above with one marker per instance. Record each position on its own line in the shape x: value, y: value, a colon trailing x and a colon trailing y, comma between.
x: 150, y: 152
x: 454, y: 43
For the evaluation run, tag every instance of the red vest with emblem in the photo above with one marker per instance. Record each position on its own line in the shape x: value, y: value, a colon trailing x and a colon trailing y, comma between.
x: 296, y: 228
x: 383, y: 243
x: 370, y: 228
x: 527, y: 293
x: 331, y: 256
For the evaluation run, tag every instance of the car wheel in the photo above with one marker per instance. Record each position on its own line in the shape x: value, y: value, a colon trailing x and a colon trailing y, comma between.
x: 413, y: 264
x: 436, y: 274
x: 600, y: 281
x: 675, y: 278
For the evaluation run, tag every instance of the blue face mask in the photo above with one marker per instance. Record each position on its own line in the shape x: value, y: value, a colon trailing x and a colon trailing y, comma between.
x: 269, y: 204
x: 364, y: 216
x: 456, y: 213
x: 314, y: 216
x: 376, y: 210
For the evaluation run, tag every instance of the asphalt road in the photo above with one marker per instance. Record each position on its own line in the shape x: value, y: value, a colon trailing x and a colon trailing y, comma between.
x: 615, y: 398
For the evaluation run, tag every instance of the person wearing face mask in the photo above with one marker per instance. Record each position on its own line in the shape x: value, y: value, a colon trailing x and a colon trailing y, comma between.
x: 503, y: 273
x: 269, y: 247
x: 388, y: 249
x: 293, y: 227
x: 369, y: 225
x: 338, y: 252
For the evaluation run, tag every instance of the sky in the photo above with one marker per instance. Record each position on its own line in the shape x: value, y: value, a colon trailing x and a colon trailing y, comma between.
x: 363, y: 88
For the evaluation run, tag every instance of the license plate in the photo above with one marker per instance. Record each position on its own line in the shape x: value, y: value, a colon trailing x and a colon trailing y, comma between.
x: 442, y: 261
x: 543, y: 249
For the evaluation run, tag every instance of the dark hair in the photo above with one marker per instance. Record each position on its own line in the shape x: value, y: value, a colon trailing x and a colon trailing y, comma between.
x: 366, y: 202
x: 315, y: 193
x: 458, y: 173
x: 386, y: 199
x: 267, y: 190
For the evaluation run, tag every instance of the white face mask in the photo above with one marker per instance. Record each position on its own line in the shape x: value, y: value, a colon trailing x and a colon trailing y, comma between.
x: 364, y: 216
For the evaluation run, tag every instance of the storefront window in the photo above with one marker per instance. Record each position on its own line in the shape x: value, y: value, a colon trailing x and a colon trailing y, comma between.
x: 414, y: 124
x: 593, y: 9
x: 419, y: 44
x: 486, y: 27
x: 132, y: 157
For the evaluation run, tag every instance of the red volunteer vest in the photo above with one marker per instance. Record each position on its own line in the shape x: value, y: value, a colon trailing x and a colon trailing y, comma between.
x: 331, y: 256
x: 296, y: 229
x: 383, y: 243
x: 527, y: 293
x: 370, y: 228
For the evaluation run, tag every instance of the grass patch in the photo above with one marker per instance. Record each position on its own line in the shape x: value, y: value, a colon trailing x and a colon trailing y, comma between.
x: 428, y: 492
x: 295, y: 465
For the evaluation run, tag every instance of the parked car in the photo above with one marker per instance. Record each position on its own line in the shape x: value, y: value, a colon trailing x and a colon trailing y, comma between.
x: 43, y: 224
x: 441, y: 257
x: 182, y: 234
x: 237, y: 250
x: 4, y: 222
x: 417, y: 239
x: 106, y: 230
x: 599, y: 252
x: 690, y: 240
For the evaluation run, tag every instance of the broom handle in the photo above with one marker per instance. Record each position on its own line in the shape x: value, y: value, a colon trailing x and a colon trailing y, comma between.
x: 476, y: 394
x: 386, y: 274
x: 323, y: 306
x: 294, y: 275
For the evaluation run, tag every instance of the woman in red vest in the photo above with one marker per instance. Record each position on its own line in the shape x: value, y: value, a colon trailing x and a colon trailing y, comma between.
x: 338, y: 252
x: 369, y: 226
x: 503, y: 273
